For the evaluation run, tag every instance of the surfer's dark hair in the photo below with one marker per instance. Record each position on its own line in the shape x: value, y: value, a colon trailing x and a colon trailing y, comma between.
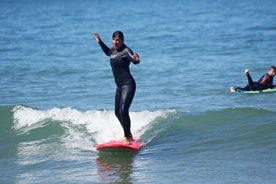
x: 273, y: 67
x: 120, y: 34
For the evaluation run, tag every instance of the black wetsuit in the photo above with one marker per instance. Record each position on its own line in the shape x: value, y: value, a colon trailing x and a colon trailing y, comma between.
x: 265, y: 82
x: 120, y: 60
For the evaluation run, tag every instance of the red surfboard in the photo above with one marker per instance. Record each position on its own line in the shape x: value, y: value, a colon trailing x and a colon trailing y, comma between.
x: 136, y: 145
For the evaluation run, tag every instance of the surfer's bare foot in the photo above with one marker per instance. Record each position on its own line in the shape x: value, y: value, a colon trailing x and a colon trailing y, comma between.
x: 232, y: 89
x: 128, y: 140
x: 246, y: 71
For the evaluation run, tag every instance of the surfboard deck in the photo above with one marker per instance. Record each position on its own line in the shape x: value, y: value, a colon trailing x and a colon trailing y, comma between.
x: 270, y: 90
x: 114, y: 145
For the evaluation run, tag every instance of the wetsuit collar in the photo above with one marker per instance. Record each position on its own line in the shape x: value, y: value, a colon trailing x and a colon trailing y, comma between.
x: 121, y: 48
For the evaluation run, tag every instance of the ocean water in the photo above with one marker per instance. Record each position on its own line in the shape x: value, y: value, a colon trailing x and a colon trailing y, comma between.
x: 57, y: 91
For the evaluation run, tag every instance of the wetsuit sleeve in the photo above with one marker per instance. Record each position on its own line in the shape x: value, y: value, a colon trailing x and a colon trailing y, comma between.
x: 105, y: 48
x: 130, y: 56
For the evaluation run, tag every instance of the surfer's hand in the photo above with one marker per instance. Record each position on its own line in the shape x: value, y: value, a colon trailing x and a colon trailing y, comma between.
x: 97, y: 37
x: 136, y: 58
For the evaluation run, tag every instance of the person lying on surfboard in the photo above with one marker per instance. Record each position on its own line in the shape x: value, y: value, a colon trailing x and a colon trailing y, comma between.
x: 265, y: 82
x: 120, y: 57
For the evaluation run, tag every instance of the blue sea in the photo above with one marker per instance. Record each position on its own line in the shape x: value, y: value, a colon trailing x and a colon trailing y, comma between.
x: 57, y: 92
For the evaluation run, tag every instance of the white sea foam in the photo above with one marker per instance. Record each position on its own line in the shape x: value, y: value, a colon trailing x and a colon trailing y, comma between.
x: 101, y: 126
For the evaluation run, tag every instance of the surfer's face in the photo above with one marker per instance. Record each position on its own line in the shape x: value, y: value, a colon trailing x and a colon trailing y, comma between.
x: 117, y: 42
x: 271, y: 72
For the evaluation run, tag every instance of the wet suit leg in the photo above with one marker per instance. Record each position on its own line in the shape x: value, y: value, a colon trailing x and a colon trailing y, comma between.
x: 123, y: 98
x: 250, y: 86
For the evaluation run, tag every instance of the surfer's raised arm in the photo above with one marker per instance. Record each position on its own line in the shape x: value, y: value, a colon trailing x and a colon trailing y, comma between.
x: 97, y: 37
x: 105, y: 48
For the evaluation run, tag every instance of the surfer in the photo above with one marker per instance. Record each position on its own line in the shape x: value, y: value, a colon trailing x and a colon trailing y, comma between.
x: 265, y: 82
x: 120, y: 57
